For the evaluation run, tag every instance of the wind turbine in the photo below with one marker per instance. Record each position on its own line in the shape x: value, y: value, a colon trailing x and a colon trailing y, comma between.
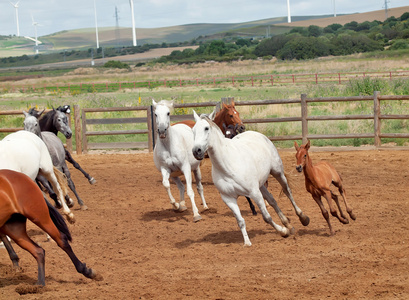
x: 16, y: 8
x: 288, y: 12
x: 133, y: 23
x: 96, y: 23
x: 35, y: 24
x: 335, y: 14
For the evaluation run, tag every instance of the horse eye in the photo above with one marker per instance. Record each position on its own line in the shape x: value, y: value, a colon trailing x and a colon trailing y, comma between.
x: 207, y: 128
x: 168, y: 113
x: 231, y: 116
x: 305, y: 156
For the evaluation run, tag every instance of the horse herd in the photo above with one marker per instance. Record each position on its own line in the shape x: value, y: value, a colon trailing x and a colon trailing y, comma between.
x: 241, y: 161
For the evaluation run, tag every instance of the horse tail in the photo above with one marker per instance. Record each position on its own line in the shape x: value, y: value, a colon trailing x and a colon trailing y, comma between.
x: 58, y: 221
x: 292, y: 184
x: 62, y: 181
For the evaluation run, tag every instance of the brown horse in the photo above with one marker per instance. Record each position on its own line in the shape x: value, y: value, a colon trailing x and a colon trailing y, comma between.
x: 22, y: 199
x: 318, y: 179
x: 228, y: 115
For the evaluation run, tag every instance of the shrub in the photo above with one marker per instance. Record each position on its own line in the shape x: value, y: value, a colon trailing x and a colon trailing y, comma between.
x: 116, y: 64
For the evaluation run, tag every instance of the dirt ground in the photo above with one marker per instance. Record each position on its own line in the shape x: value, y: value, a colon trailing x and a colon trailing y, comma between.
x: 144, y: 250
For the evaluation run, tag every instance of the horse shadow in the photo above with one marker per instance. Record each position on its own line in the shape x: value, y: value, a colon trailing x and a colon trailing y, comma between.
x: 221, y: 237
x: 171, y: 216
x: 317, y: 232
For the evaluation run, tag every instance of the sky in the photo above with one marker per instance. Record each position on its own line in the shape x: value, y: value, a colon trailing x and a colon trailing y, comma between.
x: 57, y: 15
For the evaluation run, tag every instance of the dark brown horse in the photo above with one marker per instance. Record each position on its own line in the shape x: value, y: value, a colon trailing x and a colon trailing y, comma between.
x: 318, y: 179
x: 22, y: 199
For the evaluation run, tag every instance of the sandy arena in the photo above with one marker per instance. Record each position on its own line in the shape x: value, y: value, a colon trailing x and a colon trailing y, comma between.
x: 145, y: 250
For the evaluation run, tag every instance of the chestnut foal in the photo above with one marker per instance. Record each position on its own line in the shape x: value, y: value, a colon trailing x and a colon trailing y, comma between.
x: 318, y: 179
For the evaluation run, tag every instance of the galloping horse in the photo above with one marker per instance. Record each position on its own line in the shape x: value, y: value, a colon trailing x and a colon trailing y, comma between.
x: 56, y: 149
x: 240, y: 167
x: 318, y: 179
x: 23, y: 151
x: 56, y: 121
x: 173, y: 156
x: 21, y: 199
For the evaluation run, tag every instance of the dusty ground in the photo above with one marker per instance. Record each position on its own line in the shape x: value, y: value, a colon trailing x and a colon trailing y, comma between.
x: 144, y: 250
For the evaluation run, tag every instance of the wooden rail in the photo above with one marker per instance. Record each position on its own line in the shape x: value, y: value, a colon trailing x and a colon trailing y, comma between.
x: 83, y: 121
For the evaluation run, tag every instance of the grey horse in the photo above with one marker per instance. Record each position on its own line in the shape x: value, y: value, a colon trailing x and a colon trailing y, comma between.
x: 57, y: 152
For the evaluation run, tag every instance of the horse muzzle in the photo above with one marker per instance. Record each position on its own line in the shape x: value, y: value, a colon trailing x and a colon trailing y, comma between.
x: 68, y: 134
x: 241, y: 128
x: 162, y: 133
x: 198, y: 153
x: 299, y: 168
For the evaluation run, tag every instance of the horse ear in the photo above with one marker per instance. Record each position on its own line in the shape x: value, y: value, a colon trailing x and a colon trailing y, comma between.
x: 212, y: 115
x: 40, y: 113
x: 154, y: 103
x: 296, y: 146
x: 25, y: 114
x: 232, y: 103
x: 307, y: 146
x: 195, y: 115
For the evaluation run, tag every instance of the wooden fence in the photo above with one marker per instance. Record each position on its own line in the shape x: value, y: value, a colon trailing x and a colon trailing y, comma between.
x: 83, y: 121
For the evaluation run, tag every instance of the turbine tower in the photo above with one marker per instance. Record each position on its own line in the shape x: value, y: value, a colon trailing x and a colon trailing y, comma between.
x: 288, y: 12
x: 335, y: 14
x: 16, y: 8
x: 133, y: 23
x: 35, y: 24
x: 96, y: 23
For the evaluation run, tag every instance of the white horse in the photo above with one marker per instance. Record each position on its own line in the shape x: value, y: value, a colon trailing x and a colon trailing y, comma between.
x: 24, y: 152
x: 240, y: 167
x: 173, y: 156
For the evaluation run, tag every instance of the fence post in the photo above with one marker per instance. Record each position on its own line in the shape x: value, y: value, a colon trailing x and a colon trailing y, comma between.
x: 78, y: 131
x: 149, y: 120
x: 377, y: 120
x: 84, y: 132
x: 304, y: 115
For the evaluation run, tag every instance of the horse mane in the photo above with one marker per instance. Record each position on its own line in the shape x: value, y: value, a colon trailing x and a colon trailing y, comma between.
x: 167, y: 103
x: 211, y: 122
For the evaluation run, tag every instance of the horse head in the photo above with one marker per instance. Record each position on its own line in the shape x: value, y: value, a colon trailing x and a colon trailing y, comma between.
x: 230, y: 131
x: 301, y: 155
x: 65, y: 109
x: 31, y: 121
x: 162, y: 116
x: 229, y: 115
x: 60, y: 121
x: 201, y: 133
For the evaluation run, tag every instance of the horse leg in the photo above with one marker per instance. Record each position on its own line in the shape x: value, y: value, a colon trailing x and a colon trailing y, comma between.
x: 41, y: 180
x: 15, y: 228
x: 270, y: 199
x: 71, y: 185
x: 335, y: 198
x: 181, y: 187
x: 13, y: 255
x: 282, y: 180
x: 327, y: 195
x: 166, y: 184
x: 258, y: 198
x: 342, y: 192
x: 253, y: 209
x: 51, y: 177
x: 198, y: 179
x: 324, y: 212
x: 76, y: 165
x: 189, y: 190
x: 232, y: 204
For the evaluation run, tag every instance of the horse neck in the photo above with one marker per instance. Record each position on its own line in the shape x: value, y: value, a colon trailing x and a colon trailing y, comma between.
x: 309, y: 168
x: 217, y: 149
x: 219, y: 119
x: 47, y: 125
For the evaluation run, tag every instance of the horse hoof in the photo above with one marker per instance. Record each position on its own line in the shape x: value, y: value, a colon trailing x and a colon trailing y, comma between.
x: 305, y: 220
x: 285, y: 233
x: 58, y: 205
x: 182, y: 208
x: 175, y: 205
x: 92, y: 181
x: 345, y: 221
x: 352, y: 215
x: 84, y: 207
x: 95, y: 276
x: 71, y: 218
x: 70, y: 203
x: 197, y: 218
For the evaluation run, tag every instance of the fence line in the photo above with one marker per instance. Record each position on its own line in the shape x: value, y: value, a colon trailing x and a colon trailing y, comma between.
x: 82, y: 120
x: 244, y: 80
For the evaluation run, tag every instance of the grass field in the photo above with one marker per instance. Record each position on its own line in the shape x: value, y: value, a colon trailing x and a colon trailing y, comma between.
x: 144, y: 96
